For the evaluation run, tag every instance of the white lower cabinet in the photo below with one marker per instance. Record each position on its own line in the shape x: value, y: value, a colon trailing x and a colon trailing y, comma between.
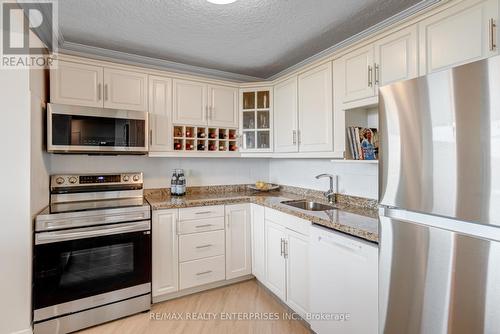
x: 287, y: 260
x: 258, y: 242
x: 164, y: 252
x: 203, y: 271
x: 297, y: 276
x: 275, y: 260
x: 238, y: 241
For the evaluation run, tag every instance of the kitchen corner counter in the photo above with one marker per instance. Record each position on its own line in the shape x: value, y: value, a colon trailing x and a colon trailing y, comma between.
x: 358, y: 221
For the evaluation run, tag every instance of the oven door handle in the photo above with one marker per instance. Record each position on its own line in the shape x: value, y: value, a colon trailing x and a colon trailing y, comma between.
x: 91, y: 232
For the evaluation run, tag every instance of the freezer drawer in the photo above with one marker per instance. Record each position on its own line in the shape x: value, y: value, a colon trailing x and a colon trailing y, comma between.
x: 343, y: 283
x: 432, y: 280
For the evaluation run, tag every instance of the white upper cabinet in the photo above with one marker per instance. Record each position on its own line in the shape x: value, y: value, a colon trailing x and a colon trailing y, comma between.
x: 76, y: 84
x: 238, y: 241
x: 256, y: 119
x: 286, y: 116
x: 125, y: 90
x: 460, y: 34
x: 223, y: 106
x: 165, y: 252
x: 197, y: 103
x: 315, y: 107
x: 396, y: 57
x: 190, y: 102
x: 358, y: 74
x: 97, y: 86
x: 160, y: 113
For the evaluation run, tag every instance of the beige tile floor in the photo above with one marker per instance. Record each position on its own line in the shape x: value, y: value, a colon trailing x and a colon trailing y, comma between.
x: 246, y: 297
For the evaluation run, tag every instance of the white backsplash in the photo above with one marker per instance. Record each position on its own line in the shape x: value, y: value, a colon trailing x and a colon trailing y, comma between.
x: 157, y: 171
x: 355, y: 179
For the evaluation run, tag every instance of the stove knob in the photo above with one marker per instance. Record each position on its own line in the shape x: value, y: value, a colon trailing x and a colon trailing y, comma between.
x: 59, y: 180
x: 126, y: 178
x: 135, y: 178
x: 73, y: 180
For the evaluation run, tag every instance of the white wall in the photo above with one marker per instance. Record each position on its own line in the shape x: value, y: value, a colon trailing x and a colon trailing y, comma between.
x: 355, y: 179
x: 157, y: 171
x: 15, y: 237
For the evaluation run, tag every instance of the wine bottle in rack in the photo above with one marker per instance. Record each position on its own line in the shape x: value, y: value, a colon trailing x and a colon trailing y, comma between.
x: 201, y: 134
x: 201, y: 147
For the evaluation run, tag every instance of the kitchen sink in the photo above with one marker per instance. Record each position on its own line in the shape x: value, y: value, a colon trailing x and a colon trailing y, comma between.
x: 308, y: 205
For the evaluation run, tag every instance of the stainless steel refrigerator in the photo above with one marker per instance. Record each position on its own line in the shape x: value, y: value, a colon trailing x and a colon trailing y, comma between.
x: 439, y: 265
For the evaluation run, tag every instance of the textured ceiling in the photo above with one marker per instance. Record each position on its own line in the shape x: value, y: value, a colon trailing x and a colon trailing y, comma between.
x: 258, y: 38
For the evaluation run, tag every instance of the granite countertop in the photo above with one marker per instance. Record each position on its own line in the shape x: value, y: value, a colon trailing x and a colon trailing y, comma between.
x: 358, y: 220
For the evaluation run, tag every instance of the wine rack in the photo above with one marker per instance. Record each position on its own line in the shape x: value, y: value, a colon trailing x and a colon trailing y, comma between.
x: 204, y: 139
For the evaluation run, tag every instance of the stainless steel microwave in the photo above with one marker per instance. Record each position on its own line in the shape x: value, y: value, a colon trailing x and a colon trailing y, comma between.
x: 75, y: 129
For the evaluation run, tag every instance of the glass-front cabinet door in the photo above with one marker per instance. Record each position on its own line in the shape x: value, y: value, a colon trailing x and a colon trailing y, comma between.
x: 256, y: 119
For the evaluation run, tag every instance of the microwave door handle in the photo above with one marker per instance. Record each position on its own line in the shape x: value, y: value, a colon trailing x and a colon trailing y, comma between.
x: 90, y: 232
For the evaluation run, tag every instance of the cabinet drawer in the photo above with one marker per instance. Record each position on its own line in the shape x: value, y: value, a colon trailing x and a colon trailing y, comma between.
x: 201, y: 225
x: 201, y: 245
x: 199, y: 272
x: 201, y: 212
x: 291, y: 222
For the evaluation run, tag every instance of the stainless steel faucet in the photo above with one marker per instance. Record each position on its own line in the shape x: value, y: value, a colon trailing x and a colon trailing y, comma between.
x: 330, y: 194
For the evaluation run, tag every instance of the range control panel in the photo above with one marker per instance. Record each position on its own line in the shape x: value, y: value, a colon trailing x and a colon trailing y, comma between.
x: 79, y: 180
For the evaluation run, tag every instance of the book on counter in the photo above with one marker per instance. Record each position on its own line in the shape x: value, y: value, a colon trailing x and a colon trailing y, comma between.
x: 363, y: 143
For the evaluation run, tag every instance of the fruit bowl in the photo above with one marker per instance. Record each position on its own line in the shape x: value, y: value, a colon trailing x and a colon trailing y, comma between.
x: 263, y: 187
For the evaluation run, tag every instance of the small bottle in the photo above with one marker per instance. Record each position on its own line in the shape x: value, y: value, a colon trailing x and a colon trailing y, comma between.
x: 211, y: 147
x: 201, y: 134
x: 201, y: 147
x: 173, y: 183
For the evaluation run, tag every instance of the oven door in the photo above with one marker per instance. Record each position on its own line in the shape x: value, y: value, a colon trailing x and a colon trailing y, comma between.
x: 76, y: 129
x: 79, y: 263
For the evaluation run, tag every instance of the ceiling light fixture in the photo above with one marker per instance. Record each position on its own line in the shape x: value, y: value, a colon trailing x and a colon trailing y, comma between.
x: 221, y: 2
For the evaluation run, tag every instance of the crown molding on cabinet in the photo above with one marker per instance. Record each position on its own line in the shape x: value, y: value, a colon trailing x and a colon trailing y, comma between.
x: 86, y: 51
x: 365, y: 34
x: 81, y: 50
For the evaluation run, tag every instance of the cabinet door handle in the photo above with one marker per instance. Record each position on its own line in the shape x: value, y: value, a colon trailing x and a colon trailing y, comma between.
x: 202, y: 212
x: 492, y: 28
x: 294, y: 137
x: 99, y: 89
x: 150, y: 137
x: 204, y: 225
x: 370, y: 76
x: 285, y: 248
x: 299, y: 137
x: 105, y: 92
x: 377, y: 74
x: 282, y: 248
x: 204, y: 246
x: 204, y: 272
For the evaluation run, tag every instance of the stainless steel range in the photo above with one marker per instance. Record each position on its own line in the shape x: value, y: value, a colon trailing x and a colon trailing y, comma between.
x: 92, y: 253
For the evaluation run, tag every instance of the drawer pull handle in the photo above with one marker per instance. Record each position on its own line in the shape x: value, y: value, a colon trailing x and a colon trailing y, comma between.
x: 204, y: 273
x: 204, y: 246
x: 203, y: 212
x: 205, y: 225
